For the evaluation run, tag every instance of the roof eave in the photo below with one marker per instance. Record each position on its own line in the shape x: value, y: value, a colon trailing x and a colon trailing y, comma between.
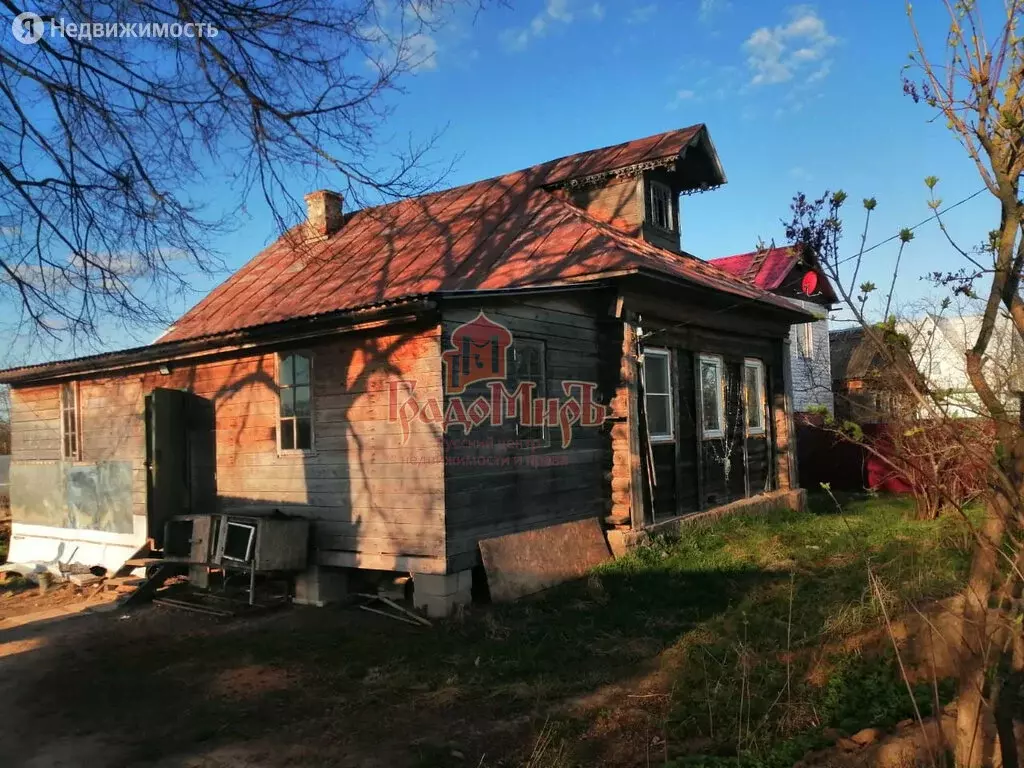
x: 253, y: 337
x: 766, y: 301
x: 700, y: 140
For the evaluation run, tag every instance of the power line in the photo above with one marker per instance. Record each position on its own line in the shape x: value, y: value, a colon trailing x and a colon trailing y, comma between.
x: 745, y: 301
x: 911, y: 229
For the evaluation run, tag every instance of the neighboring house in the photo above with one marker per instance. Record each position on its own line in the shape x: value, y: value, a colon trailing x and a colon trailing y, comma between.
x: 864, y: 389
x: 522, y: 351
x: 801, y: 280
x: 937, y: 346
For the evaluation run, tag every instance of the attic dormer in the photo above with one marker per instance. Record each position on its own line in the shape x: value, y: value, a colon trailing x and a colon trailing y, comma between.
x: 660, y: 208
x: 636, y: 186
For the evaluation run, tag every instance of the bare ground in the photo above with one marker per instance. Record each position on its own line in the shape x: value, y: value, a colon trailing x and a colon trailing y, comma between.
x: 119, y: 689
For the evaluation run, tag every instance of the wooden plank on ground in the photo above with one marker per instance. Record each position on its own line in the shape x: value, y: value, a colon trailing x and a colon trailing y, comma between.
x: 523, y: 563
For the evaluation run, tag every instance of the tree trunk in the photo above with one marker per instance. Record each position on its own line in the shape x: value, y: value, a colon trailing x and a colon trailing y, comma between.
x: 975, y: 728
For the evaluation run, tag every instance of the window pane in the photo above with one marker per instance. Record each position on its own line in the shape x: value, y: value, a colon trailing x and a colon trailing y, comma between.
x: 753, y: 399
x: 287, y: 402
x: 658, y: 415
x: 301, y: 401
x: 304, y: 434
x: 805, y: 340
x: 710, y: 393
x: 287, y: 434
x: 301, y: 369
x: 529, y: 366
x: 656, y: 374
x: 528, y: 362
x: 287, y: 370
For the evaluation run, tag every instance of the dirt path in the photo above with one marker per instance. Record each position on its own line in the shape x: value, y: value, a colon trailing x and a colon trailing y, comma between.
x: 160, y: 688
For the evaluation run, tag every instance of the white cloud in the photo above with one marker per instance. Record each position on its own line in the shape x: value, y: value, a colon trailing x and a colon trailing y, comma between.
x: 420, y: 52
x: 681, y: 95
x: 709, y: 8
x: 597, y: 11
x: 778, y: 54
x: 555, y: 11
x: 643, y: 14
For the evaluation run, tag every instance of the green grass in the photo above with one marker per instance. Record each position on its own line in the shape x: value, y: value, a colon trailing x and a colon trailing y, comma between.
x: 728, y: 619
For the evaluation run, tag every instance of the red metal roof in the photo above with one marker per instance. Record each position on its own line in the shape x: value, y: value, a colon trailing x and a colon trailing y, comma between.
x: 766, y: 268
x: 512, y: 231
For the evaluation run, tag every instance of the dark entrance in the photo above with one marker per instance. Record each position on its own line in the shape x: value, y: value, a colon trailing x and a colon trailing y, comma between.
x: 181, y: 458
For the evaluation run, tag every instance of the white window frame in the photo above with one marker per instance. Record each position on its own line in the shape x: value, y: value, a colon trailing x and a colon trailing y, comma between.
x: 658, y: 188
x: 719, y: 362
x: 805, y: 341
x: 278, y: 358
x: 76, y: 413
x: 757, y: 365
x: 666, y: 355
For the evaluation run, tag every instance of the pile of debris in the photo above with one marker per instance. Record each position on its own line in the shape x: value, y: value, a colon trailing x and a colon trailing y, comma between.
x: 46, y: 574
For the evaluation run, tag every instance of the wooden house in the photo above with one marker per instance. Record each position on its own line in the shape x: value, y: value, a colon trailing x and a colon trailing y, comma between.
x: 505, y: 355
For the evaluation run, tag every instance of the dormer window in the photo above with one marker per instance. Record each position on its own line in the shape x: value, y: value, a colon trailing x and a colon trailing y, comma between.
x: 660, y: 211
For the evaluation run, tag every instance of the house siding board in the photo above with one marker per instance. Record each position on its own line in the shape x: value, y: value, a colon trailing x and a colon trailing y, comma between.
x: 619, y: 203
x: 812, y: 377
x: 495, y: 498
x: 35, y: 416
x: 365, y: 489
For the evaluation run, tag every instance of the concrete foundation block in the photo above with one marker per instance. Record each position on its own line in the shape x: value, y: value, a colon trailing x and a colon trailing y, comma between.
x: 319, y: 585
x: 439, y: 594
x: 199, y: 576
x: 620, y: 541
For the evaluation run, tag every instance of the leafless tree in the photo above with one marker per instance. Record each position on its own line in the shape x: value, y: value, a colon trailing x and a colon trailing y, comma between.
x: 976, y: 86
x: 111, y: 132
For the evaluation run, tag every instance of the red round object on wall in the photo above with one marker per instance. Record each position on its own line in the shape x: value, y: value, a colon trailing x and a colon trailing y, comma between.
x: 810, y: 283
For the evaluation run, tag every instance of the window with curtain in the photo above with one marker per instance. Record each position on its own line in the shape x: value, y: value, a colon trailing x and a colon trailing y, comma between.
x: 753, y: 396
x: 295, y: 388
x: 805, y: 341
x: 712, y: 406
x: 658, y: 394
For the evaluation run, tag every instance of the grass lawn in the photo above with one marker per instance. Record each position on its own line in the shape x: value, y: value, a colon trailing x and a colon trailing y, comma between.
x: 728, y: 646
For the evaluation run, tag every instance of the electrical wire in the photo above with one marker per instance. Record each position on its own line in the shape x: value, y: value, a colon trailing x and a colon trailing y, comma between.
x: 911, y: 229
x: 746, y: 301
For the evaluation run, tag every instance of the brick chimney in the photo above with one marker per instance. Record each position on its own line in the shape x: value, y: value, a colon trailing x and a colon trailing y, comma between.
x: 323, y: 213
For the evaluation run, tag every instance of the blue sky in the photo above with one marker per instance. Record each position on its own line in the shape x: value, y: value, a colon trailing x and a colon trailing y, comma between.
x: 796, y: 97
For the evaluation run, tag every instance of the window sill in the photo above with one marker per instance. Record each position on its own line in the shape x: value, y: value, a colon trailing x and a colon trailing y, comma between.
x: 759, y: 432
x: 661, y: 230
x: 284, y: 452
x: 716, y: 435
x: 663, y: 438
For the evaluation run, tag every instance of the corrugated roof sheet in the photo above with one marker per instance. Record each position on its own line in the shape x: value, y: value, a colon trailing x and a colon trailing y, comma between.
x: 506, y: 232
x: 512, y: 231
x: 766, y: 269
